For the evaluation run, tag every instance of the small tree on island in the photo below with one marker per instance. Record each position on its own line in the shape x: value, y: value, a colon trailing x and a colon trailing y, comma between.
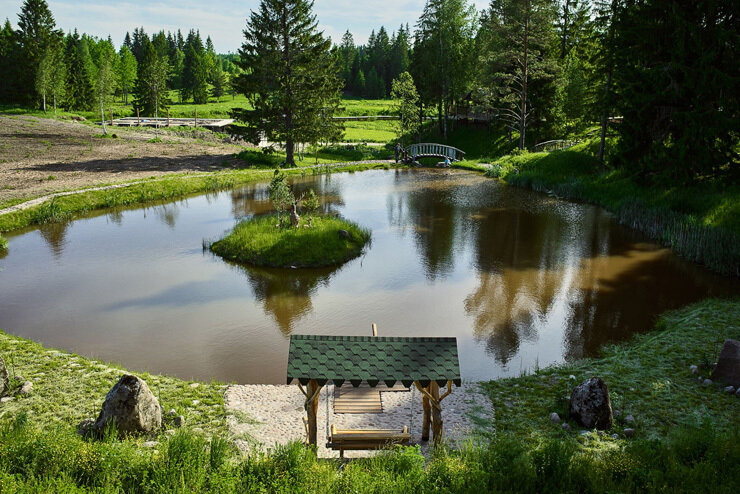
x: 405, y: 105
x: 310, y: 204
x: 280, y: 195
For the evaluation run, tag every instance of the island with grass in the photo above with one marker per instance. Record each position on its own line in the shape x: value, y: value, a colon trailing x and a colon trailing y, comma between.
x: 261, y: 241
x: 289, y: 240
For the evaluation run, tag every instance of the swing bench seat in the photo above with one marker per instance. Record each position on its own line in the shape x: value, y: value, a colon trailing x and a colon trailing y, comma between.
x: 364, y: 439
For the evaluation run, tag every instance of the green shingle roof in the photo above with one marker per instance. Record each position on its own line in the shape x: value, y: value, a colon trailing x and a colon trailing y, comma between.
x: 373, y: 359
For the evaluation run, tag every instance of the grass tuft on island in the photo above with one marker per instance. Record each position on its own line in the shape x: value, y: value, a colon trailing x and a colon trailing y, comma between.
x: 260, y: 242
x: 3, y: 244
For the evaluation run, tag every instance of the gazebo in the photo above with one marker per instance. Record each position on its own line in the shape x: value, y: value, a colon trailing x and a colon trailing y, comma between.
x: 425, y: 362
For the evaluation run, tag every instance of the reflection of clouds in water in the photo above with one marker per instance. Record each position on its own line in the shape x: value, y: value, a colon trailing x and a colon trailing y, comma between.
x: 182, y: 295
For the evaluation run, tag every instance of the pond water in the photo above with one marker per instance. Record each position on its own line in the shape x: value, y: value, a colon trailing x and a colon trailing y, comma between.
x: 520, y: 278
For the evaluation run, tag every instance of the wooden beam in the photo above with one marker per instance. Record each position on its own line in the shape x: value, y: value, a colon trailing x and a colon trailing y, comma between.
x: 436, y: 413
x: 375, y: 329
x: 426, y: 406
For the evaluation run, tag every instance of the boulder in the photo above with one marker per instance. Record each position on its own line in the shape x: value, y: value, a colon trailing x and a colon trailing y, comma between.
x: 728, y: 364
x: 343, y: 233
x: 590, y: 405
x: 629, y: 432
x: 132, y: 406
x: 4, y: 378
x: 554, y: 418
x: 26, y: 388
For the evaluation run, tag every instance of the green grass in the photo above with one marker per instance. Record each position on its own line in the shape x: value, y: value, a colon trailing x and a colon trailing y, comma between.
x: 648, y: 378
x: 3, y: 244
x: 56, y: 460
x: 337, y: 153
x: 68, y: 388
x: 700, y: 222
x: 369, y: 131
x: 259, y: 241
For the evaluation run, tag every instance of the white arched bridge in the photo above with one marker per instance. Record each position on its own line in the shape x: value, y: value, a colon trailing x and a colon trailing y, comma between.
x: 432, y: 150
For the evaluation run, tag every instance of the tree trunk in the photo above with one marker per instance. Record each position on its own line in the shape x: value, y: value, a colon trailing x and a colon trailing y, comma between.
x: 44, y: 98
x: 427, y: 418
x: 564, y: 35
x: 605, y: 115
x: 55, y: 105
x: 525, y: 73
x: 289, y: 159
x: 436, y: 414
x: 102, y: 116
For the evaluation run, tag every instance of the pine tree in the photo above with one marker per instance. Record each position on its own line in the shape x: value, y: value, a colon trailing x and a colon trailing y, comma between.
x: 10, y: 64
x: 520, y: 62
x: 445, y: 40
x: 36, y: 31
x: 289, y: 76
x: 218, y: 81
x: 79, y: 87
x: 150, y: 92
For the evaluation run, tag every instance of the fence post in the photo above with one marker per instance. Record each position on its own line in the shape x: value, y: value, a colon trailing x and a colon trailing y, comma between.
x: 196, y: 117
x: 111, y: 117
x: 138, y: 119
x: 168, y: 117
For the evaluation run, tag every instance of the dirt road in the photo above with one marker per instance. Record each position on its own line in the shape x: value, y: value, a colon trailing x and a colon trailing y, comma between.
x: 41, y: 156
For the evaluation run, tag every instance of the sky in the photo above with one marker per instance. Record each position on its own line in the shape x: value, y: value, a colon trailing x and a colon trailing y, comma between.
x: 223, y: 20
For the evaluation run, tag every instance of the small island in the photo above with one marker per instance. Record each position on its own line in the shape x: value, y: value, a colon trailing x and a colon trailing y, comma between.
x: 261, y: 241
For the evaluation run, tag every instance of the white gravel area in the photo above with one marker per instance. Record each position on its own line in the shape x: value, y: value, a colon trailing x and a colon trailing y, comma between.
x: 261, y: 416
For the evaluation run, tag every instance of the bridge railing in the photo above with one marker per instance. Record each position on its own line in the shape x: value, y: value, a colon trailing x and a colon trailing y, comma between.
x: 430, y: 149
x: 557, y: 144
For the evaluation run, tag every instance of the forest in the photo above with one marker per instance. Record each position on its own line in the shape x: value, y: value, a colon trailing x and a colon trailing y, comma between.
x: 657, y: 74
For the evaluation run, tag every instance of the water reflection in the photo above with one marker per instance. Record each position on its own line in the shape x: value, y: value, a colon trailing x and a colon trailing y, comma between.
x: 286, y: 295
x: 517, y: 277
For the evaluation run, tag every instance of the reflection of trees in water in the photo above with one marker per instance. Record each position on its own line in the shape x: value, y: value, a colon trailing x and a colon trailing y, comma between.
x: 254, y: 199
x: 574, y: 269
x: 434, y: 216
x: 286, y: 293
x: 55, y: 235
x: 168, y: 214
x: 526, y: 263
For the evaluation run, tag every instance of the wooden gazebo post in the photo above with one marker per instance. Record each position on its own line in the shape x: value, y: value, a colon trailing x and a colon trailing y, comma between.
x: 430, y: 401
x: 311, y: 406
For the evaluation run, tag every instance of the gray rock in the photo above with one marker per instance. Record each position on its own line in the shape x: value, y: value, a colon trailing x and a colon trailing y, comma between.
x: 694, y: 369
x: 343, y: 233
x: 172, y: 413
x: 615, y: 436
x: 86, y: 427
x: 617, y: 413
x: 150, y: 444
x: 179, y: 421
x: 132, y: 406
x: 509, y: 404
x: 566, y: 427
x: 26, y: 388
x: 6, y: 399
x: 629, y: 419
x: 4, y: 378
x: 728, y: 364
x: 730, y: 389
x: 737, y: 392
x: 590, y: 405
x: 170, y: 432
x: 706, y: 382
x: 554, y: 418
x: 629, y: 432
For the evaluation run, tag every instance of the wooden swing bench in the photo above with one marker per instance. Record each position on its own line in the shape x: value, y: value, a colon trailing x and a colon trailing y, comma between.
x: 364, y: 439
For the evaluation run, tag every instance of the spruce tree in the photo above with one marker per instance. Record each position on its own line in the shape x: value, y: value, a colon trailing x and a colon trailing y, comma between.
x: 10, y: 64
x: 289, y: 76
x: 150, y: 92
x: 79, y: 86
x: 36, y: 31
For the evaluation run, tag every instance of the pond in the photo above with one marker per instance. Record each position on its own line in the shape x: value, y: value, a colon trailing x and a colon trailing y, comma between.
x: 520, y: 278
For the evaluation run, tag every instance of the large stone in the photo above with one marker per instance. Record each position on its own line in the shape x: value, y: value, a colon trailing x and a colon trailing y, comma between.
x: 590, y: 405
x: 4, y: 378
x: 132, y: 406
x: 728, y: 364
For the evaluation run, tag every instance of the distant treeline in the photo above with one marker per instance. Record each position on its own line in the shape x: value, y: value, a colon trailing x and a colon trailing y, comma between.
x: 42, y: 65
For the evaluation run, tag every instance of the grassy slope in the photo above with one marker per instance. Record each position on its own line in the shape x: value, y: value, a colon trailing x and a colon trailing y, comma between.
x: 68, y: 388
x: 697, y: 447
x: 258, y: 242
x: 648, y: 378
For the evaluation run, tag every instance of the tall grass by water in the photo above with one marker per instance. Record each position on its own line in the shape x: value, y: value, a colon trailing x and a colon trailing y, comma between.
x: 699, y: 222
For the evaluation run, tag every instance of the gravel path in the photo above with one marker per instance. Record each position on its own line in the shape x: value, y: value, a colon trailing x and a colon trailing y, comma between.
x: 259, y: 416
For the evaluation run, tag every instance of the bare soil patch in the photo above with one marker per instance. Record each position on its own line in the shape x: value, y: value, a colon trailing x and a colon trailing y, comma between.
x: 40, y: 156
